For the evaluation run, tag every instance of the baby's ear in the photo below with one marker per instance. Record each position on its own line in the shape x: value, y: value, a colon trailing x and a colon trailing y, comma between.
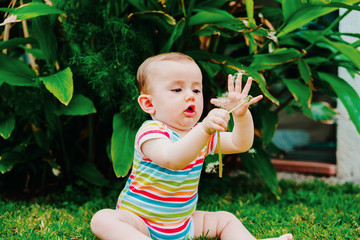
x: 145, y: 103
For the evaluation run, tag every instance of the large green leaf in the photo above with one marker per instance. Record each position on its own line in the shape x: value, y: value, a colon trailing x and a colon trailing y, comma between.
x: 322, y: 112
x: 32, y: 10
x: 6, y: 127
x: 15, y: 72
x: 301, y: 92
x: 269, y: 122
x: 278, y: 57
x: 349, y: 51
x: 178, y: 30
x: 297, y: 13
x: 89, y: 172
x: 304, y: 70
x: 347, y: 95
x: 211, y: 15
x: 15, y: 42
x: 60, y: 85
x: 9, y: 159
x: 43, y: 28
x: 122, y: 146
x: 78, y: 106
x: 256, y: 160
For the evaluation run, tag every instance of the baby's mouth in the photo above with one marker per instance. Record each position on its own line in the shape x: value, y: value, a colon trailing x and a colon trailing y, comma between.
x: 190, y: 111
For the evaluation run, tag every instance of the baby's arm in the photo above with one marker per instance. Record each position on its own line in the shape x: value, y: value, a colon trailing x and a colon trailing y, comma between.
x: 242, y: 136
x: 177, y: 155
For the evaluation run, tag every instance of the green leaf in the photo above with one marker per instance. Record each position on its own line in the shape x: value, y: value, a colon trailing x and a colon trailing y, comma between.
x: 32, y: 10
x: 347, y: 95
x: 122, y: 146
x: 323, y: 112
x: 15, y: 72
x: 15, y: 42
x: 278, y: 57
x: 43, y: 28
x: 178, y: 30
x: 60, y: 85
x: 269, y: 122
x: 6, y: 127
x: 157, y: 16
x: 304, y: 70
x: 257, y: 161
x: 90, y: 173
x: 78, y: 106
x: 9, y: 159
x: 301, y: 92
x: 349, y: 51
x: 250, y: 10
x: 297, y: 14
x: 211, y: 15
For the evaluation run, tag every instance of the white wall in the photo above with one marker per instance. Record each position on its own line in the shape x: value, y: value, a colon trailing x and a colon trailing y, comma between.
x: 348, y: 139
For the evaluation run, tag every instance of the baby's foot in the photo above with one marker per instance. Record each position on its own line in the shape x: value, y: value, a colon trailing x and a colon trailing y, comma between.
x: 283, y: 237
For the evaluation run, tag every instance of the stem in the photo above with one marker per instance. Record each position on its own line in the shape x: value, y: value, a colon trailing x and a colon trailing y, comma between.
x: 220, y: 156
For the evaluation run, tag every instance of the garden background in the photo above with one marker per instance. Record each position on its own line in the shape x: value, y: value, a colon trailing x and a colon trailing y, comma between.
x: 67, y: 81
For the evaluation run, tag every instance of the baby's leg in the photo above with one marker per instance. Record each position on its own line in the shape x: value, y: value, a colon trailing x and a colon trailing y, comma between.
x: 118, y: 224
x: 224, y: 225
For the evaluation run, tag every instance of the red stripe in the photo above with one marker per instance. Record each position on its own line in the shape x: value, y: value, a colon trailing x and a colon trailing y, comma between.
x: 199, y: 161
x: 168, y: 199
x: 151, y: 132
x: 165, y: 230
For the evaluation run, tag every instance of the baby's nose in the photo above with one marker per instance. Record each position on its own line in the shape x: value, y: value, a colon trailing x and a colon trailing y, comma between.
x: 189, y: 97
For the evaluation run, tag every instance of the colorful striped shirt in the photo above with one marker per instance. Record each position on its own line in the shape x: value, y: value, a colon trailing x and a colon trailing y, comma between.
x: 165, y: 199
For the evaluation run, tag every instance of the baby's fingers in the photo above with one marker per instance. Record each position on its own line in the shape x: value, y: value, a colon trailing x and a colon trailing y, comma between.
x: 255, y: 99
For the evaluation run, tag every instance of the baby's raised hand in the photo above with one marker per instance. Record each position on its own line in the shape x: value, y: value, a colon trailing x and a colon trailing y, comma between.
x: 236, y: 95
x: 216, y: 120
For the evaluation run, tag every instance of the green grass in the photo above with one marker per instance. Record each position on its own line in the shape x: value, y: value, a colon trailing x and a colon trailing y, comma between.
x: 308, y: 211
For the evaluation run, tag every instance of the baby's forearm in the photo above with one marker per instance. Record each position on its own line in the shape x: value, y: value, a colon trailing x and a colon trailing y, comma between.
x: 177, y: 155
x: 242, y: 136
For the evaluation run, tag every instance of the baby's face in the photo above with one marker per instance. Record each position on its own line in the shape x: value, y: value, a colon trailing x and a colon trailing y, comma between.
x: 176, y: 92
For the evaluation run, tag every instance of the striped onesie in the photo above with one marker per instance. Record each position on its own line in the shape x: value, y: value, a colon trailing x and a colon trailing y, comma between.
x: 165, y: 199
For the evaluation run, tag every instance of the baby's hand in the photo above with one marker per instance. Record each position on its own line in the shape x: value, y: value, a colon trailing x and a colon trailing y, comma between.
x: 216, y: 120
x: 236, y: 95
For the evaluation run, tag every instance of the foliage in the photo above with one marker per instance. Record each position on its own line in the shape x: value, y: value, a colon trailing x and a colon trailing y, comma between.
x: 307, y: 210
x: 90, y: 50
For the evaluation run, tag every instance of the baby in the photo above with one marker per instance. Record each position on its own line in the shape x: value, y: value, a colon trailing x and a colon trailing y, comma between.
x: 160, y: 196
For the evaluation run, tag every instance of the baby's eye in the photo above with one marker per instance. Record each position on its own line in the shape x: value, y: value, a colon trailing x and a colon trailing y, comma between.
x: 176, y: 90
x: 197, y: 91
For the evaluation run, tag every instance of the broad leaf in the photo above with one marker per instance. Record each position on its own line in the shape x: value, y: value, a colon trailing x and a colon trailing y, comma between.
x: 32, y: 10
x: 269, y: 60
x: 122, y: 146
x: 347, y: 95
x: 9, y: 159
x: 15, y: 72
x: 301, y: 92
x: 349, y: 51
x: 297, y: 14
x: 15, y: 42
x: 89, y: 172
x: 269, y: 122
x: 211, y: 15
x: 60, y: 85
x: 258, y: 161
x: 78, y: 106
x: 322, y: 112
x: 43, y: 28
x: 304, y: 70
x: 6, y: 127
x: 178, y: 30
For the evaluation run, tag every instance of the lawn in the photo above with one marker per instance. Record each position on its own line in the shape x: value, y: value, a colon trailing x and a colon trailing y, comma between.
x: 307, y: 210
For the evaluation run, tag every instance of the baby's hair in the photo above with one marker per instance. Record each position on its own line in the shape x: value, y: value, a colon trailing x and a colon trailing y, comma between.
x: 142, y: 73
